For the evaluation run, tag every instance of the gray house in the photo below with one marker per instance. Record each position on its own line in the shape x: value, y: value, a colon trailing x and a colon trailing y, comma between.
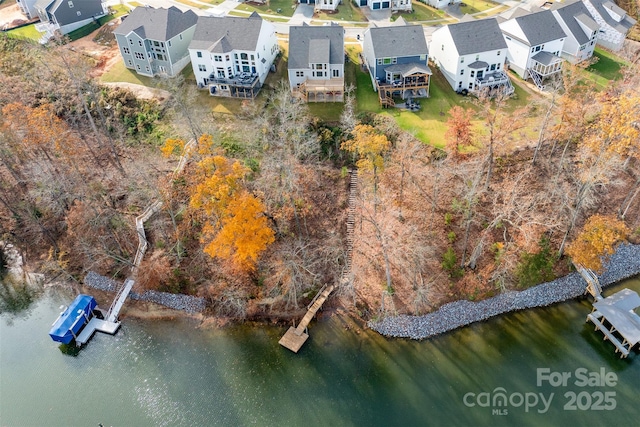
x: 316, y: 63
x: 580, y: 28
x: 397, y: 61
x: 155, y: 41
x: 614, y: 22
x: 64, y: 16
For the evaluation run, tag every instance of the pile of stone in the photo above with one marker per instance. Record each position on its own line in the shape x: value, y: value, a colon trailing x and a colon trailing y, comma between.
x: 187, y: 303
x: 623, y: 264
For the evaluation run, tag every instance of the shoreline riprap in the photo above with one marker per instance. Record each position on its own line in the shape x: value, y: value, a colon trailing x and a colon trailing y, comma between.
x: 623, y: 264
x: 187, y: 303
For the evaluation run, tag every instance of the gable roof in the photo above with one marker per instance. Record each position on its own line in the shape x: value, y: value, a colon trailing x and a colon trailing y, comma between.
x: 224, y: 34
x: 601, y: 7
x: 391, y: 42
x: 303, y: 39
x: 540, y: 27
x: 477, y: 36
x: 157, y: 24
x: 572, y: 14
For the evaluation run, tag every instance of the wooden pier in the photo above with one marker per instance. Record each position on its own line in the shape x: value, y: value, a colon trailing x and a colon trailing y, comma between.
x: 295, y: 337
x: 616, y: 318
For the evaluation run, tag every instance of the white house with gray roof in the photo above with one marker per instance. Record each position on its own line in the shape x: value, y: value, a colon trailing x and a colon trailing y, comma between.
x: 614, y: 22
x: 534, y: 43
x: 316, y: 62
x: 155, y: 41
x: 397, y: 58
x: 232, y: 56
x: 580, y: 28
x: 64, y: 16
x: 471, y: 55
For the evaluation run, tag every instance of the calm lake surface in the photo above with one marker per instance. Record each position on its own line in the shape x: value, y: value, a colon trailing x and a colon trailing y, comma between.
x: 168, y: 373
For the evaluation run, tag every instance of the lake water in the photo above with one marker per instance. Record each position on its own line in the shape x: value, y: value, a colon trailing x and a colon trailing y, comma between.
x: 169, y: 373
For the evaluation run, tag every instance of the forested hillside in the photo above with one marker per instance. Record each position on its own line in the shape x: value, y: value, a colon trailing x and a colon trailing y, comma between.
x: 256, y: 221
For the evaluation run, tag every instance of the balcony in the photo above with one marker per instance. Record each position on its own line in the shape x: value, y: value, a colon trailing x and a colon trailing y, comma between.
x: 241, y: 80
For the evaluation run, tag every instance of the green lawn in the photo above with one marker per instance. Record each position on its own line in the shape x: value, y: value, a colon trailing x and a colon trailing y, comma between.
x: 272, y: 7
x: 421, y: 12
x: 347, y: 11
x: 194, y: 4
x: 120, y: 73
x: 608, y: 65
x: 477, y: 6
x: 27, y: 32
x: 119, y: 10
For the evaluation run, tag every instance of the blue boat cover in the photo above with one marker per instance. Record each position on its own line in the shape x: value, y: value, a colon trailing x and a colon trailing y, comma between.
x: 73, y: 319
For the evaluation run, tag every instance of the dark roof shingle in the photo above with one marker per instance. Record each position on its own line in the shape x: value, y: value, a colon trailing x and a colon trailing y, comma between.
x: 483, y: 35
x: 398, y: 42
x: 303, y: 38
x: 224, y: 34
x: 157, y: 24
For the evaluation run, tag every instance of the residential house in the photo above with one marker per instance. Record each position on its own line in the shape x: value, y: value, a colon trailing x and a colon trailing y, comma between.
x: 397, y: 58
x: 534, y: 42
x: 329, y: 5
x: 64, y: 16
x: 580, y: 28
x: 394, y: 5
x: 614, y: 22
x: 28, y: 8
x: 316, y: 62
x: 471, y: 55
x: 232, y: 56
x: 155, y: 41
x: 441, y: 4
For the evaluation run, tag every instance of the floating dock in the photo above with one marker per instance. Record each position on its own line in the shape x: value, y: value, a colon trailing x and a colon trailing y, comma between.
x: 615, y: 316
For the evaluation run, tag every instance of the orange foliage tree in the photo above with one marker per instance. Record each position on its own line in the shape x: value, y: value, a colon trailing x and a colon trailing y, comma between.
x: 459, y: 132
x: 597, y: 240
x: 235, y: 228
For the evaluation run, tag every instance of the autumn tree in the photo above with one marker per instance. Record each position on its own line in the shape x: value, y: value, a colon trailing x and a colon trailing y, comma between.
x: 597, y: 241
x: 460, y: 134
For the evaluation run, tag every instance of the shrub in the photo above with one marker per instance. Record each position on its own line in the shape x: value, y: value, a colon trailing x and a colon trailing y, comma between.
x: 450, y: 263
x: 535, y: 268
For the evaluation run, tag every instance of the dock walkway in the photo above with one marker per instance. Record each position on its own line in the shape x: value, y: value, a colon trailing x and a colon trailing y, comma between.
x: 295, y: 337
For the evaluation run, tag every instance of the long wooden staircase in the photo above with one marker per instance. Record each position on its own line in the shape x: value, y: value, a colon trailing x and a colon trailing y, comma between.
x: 295, y: 337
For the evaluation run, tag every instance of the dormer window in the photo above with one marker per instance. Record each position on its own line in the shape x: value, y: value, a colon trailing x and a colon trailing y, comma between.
x: 70, y: 5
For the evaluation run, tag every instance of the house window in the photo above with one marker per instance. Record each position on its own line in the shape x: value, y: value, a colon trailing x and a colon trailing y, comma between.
x: 220, y: 72
x: 459, y: 84
x: 462, y: 60
x: 226, y: 57
x: 70, y: 5
x: 442, y: 47
x: 386, y: 61
x: 199, y: 54
x: 148, y: 69
x: 78, y: 13
x: 470, y: 85
x: 538, y: 48
x: 423, y: 57
x: 493, y: 67
x: 507, y: 37
x: 299, y: 73
x: 472, y: 73
x: 130, y: 41
x: 217, y: 58
x: 318, y: 67
x: 138, y: 55
x: 253, y: 58
x: 140, y: 42
x: 498, y: 66
x: 462, y: 72
x: 477, y: 57
x: 202, y: 67
x: 498, y: 53
x: 336, y: 73
x: 244, y: 56
x: 126, y: 50
x: 130, y: 62
x: 235, y: 55
x: 160, y: 56
x: 138, y: 67
x: 180, y: 36
x: 379, y: 62
x: 169, y: 43
x: 155, y: 43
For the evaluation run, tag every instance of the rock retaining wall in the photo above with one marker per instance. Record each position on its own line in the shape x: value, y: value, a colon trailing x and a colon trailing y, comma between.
x: 187, y: 303
x: 623, y: 264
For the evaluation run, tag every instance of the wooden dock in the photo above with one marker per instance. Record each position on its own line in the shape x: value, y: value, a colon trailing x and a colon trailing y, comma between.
x: 616, y: 318
x: 295, y: 337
